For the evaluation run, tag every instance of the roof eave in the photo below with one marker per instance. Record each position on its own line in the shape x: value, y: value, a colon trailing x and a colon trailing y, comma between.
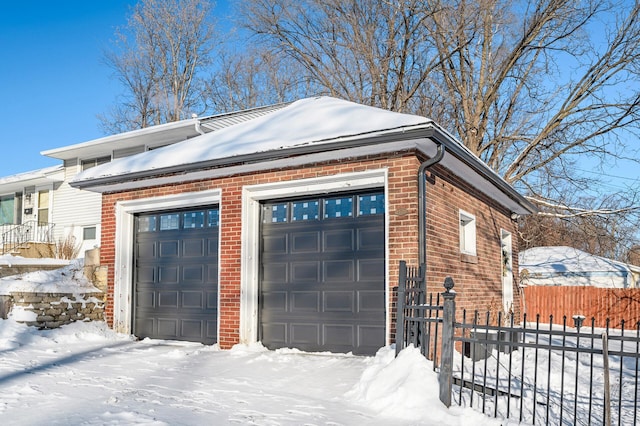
x: 424, y: 131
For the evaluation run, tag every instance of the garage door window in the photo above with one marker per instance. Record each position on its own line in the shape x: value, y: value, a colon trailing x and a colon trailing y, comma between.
x: 275, y: 213
x: 305, y: 210
x: 370, y: 204
x: 147, y: 223
x: 332, y: 208
x: 338, y: 207
x: 213, y: 218
x: 193, y: 220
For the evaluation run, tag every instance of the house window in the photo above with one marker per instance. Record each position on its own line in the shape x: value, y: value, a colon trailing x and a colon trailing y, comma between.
x: 87, y: 164
x: 6, y: 209
x: 89, y: 233
x: 467, y: 233
x: 43, y: 207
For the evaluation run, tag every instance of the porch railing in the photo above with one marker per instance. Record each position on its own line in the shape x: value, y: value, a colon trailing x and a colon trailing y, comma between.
x: 13, y: 236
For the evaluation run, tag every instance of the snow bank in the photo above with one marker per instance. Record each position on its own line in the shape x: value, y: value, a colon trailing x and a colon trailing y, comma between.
x: 69, y: 279
x: 406, y: 387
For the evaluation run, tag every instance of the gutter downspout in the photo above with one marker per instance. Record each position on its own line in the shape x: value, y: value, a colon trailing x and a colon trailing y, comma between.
x: 422, y: 202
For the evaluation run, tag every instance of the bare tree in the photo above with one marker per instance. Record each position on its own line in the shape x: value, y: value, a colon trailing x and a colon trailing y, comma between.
x: 254, y: 77
x: 160, y: 54
x: 534, y: 88
x: 372, y: 52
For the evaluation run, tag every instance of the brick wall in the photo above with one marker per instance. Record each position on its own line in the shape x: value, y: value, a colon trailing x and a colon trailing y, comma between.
x: 478, y: 279
x: 403, y: 238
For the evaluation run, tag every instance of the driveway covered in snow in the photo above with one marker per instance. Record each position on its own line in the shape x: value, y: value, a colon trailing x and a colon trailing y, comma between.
x: 84, y: 374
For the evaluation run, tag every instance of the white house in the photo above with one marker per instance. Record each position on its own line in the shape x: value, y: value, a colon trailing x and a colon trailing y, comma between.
x: 568, y: 266
x: 41, y: 206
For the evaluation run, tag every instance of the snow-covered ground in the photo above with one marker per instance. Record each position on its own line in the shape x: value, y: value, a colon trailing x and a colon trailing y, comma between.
x: 85, y: 374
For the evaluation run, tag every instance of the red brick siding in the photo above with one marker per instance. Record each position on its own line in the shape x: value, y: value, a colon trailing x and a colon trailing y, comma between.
x: 478, y: 280
x: 403, y: 239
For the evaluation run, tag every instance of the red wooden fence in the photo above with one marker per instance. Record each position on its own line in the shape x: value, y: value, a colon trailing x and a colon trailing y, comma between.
x: 617, y: 304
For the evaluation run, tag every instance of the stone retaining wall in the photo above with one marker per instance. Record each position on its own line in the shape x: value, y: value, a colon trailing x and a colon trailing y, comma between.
x: 52, y: 310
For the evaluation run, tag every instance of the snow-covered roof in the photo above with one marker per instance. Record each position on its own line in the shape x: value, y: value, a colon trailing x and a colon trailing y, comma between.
x: 305, y: 131
x: 568, y: 261
x: 18, y: 181
x: 159, y: 135
x: 307, y: 121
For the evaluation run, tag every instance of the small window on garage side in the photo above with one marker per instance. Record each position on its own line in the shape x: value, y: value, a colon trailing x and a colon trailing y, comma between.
x: 467, y: 233
x: 89, y: 233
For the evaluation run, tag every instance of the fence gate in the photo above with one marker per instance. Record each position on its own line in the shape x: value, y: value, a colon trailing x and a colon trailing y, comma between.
x: 419, y: 317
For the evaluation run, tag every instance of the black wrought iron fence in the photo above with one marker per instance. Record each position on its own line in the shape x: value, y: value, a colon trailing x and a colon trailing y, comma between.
x: 419, y: 316
x: 538, y: 372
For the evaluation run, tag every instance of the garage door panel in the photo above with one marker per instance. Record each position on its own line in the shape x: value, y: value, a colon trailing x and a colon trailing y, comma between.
x: 147, y: 249
x: 338, y: 335
x: 212, y: 272
x: 169, y: 248
x: 305, y: 271
x: 145, y: 327
x: 146, y: 274
x: 193, y: 247
x: 370, y: 269
x: 308, y: 301
x: 168, y: 274
x: 338, y: 270
x: 275, y: 301
x: 168, y: 299
x: 192, y: 328
x: 340, y: 240
x: 305, y: 334
x: 212, y: 302
x: 305, y: 242
x: 275, y: 334
x: 338, y: 301
x: 193, y: 273
x: 193, y: 299
x: 370, y: 336
x: 212, y: 247
x: 275, y: 272
x: 274, y: 244
x: 211, y: 330
x: 146, y: 299
x: 167, y: 327
x: 370, y: 239
x: 371, y: 301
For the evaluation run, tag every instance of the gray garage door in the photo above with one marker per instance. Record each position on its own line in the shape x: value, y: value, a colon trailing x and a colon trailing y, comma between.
x: 176, y: 275
x: 322, y: 274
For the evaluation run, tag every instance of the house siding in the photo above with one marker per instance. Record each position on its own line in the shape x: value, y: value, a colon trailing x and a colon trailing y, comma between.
x: 74, y: 208
x: 445, y: 196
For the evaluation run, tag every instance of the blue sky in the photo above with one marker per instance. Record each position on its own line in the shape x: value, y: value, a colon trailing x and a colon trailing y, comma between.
x: 53, y: 82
